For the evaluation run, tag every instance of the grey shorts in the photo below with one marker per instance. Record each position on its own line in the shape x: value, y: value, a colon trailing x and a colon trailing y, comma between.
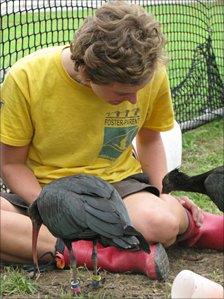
x: 132, y: 184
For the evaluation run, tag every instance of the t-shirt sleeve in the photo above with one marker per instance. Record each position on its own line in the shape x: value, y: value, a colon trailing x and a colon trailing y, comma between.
x: 16, y: 125
x: 161, y: 115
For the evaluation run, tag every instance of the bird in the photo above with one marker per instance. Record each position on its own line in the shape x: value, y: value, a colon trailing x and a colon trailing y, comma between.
x: 210, y: 183
x: 84, y: 207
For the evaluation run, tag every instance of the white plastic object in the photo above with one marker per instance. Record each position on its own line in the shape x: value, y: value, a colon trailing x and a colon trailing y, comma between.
x: 188, y: 284
x: 172, y: 141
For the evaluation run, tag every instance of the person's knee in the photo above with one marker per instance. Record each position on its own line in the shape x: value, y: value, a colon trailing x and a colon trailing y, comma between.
x: 163, y: 228
x: 153, y: 218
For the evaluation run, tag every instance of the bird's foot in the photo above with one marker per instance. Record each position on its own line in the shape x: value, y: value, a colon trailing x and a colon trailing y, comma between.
x: 35, y: 274
x: 75, y: 288
x: 96, y: 281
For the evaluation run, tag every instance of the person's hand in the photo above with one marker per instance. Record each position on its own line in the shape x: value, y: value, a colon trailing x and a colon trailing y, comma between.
x: 195, y: 210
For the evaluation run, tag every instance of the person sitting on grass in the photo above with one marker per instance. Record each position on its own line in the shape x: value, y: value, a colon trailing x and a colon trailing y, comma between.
x: 76, y: 109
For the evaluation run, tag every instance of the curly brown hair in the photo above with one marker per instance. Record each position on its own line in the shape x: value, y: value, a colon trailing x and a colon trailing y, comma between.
x: 121, y: 43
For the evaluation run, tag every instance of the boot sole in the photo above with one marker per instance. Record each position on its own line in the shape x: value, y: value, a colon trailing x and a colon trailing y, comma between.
x: 162, y: 265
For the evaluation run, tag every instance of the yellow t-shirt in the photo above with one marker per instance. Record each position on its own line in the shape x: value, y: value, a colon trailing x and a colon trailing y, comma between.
x: 70, y: 130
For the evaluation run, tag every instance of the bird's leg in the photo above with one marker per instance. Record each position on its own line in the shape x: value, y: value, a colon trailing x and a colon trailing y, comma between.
x: 35, y: 232
x: 75, y: 286
x: 96, y: 278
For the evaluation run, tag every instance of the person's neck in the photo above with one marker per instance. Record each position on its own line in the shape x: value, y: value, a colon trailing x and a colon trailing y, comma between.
x: 68, y: 66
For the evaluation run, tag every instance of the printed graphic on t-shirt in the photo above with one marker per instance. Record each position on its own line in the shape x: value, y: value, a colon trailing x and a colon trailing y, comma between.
x: 120, y: 129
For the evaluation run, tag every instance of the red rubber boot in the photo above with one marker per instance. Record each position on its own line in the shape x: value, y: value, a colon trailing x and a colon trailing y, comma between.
x: 209, y: 235
x: 154, y: 264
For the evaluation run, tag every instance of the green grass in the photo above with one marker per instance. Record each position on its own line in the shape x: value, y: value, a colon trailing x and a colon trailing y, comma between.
x: 15, y: 282
x: 202, y: 151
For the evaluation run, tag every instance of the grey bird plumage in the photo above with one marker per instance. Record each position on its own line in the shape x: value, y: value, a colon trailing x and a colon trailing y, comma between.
x: 84, y: 207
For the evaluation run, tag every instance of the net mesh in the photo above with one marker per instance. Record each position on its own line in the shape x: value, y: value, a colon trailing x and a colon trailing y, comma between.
x: 194, y: 31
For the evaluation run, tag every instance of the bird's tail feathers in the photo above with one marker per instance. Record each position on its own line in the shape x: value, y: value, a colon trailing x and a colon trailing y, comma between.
x: 128, y: 243
x: 131, y: 231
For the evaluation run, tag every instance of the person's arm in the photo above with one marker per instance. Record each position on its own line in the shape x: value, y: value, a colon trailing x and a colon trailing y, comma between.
x: 152, y: 156
x: 17, y: 176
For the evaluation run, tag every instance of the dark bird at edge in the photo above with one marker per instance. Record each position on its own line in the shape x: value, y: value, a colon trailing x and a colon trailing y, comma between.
x: 210, y: 183
x: 84, y: 207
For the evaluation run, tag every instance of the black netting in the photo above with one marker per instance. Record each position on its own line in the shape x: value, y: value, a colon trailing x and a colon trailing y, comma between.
x: 194, y: 31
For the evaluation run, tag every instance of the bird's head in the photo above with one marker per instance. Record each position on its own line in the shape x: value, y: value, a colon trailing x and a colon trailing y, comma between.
x: 171, y: 180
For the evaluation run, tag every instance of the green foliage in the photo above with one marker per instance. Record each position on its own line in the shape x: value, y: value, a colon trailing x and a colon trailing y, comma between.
x: 203, y: 147
x: 202, y: 151
x: 14, y: 281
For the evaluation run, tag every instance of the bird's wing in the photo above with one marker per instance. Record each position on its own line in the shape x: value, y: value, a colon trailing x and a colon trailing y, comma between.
x: 120, y: 207
x: 102, y: 204
x: 83, y: 184
x: 110, y: 226
x: 92, y: 186
x: 102, y: 208
x: 100, y: 195
x: 109, y: 208
x: 64, y: 216
x: 102, y: 227
x: 95, y: 186
x: 123, y: 214
x: 85, y: 206
x: 214, y: 185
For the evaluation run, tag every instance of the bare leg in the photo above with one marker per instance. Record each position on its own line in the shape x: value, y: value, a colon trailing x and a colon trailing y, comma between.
x: 16, y: 238
x: 7, y: 206
x: 158, y: 219
x: 178, y: 210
